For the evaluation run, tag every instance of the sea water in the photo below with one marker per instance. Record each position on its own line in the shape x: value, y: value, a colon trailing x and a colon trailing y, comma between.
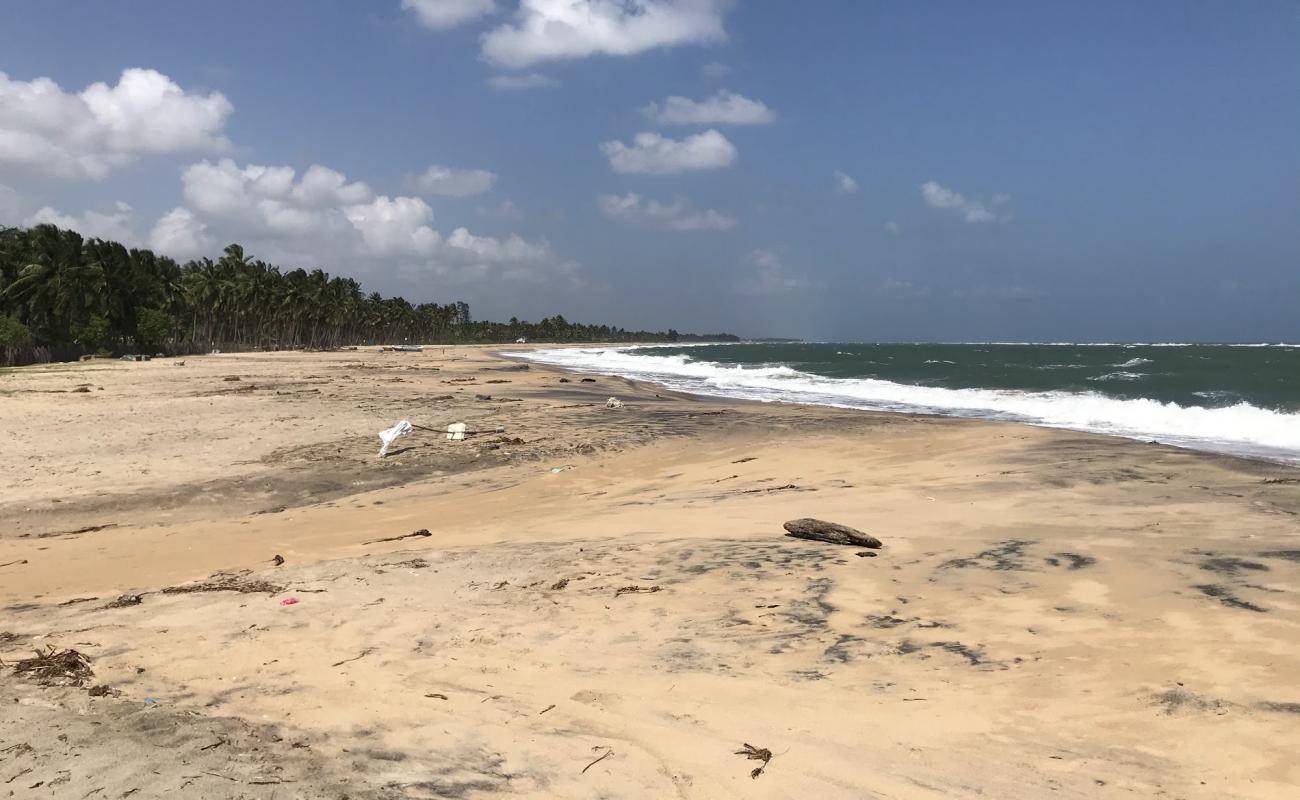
x: 1233, y: 398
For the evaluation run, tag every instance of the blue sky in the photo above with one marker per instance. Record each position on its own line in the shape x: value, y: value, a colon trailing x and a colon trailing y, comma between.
x: 835, y: 170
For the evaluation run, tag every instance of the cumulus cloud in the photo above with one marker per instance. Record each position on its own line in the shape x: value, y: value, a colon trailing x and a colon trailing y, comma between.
x: 451, y: 182
x: 322, y: 219
x: 180, y: 234
x: 675, y: 216
x: 545, y: 30
x: 769, y: 276
x: 723, y: 108
x: 973, y: 211
x: 443, y: 14
x: 516, y: 83
x: 844, y: 183
x: 102, y: 128
x: 653, y: 154
x: 117, y: 225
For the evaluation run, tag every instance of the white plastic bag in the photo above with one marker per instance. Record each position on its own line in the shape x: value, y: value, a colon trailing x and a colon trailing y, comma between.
x: 455, y: 431
x: 393, y: 434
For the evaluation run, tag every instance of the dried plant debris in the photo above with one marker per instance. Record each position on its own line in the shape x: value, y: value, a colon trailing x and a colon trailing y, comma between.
x: 421, y: 533
x: 609, y: 751
x: 126, y: 600
x: 560, y: 584
x: 638, y: 590
x: 56, y: 668
x: 226, y: 583
x: 753, y: 753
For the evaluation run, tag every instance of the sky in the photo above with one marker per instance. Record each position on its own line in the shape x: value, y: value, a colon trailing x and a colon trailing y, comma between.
x: 834, y: 170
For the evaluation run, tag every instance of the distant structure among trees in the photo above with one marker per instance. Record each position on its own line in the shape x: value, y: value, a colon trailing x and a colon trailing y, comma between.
x: 62, y: 296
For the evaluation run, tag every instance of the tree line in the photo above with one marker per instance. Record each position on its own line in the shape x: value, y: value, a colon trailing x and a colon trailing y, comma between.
x: 62, y: 295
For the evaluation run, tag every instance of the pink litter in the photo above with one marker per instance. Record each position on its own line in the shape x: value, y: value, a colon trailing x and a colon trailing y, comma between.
x: 289, y: 601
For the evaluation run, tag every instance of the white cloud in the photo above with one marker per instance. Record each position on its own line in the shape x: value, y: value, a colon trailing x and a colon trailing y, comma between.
x: 653, y: 154
x: 444, y: 14
x: 451, y: 182
x: 844, y: 183
x: 323, y: 219
x: 529, y: 80
x: 675, y: 216
x: 545, y: 30
x: 973, y: 211
x: 48, y: 131
x: 770, y: 276
x: 723, y: 108
x: 117, y: 225
x: 892, y: 227
x: 181, y: 235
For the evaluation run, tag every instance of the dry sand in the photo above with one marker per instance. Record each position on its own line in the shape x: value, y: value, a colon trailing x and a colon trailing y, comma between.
x: 1053, y: 614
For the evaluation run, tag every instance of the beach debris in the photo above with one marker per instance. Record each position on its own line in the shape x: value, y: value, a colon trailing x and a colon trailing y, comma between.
x: 745, y: 459
x: 455, y: 431
x: 638, y: 590
x: 231, y: 378
x: 866, y: 554
x: 832, y: 533
x: 387, y: 437
x: 565, y: 380
x: 292, y: 601
x: 609, y: 751
x: 225, y: 583
x: 613, y: 402
x: 126, y: 600
x: 497, y: 380
x: 436, y: 696
x: 12, y: 563
x: 180, y: 363
x: 773, y: 489
x: 56, y: 667
x: 753, y: 753
x: 421, y: 533
x: 560, y: 584
x: 588, y: 380
x: 544, y: 710
x: 358, y: 657
x: 102, y: 690
x: 278, y: 560
x: 81, y: 390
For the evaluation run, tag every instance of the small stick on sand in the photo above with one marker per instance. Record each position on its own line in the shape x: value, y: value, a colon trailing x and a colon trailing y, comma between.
x: 608, y: 752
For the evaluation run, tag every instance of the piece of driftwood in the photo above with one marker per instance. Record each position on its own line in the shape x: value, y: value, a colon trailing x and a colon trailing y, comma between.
x: 420, y: 533
x: 832, y: 533
x: 638, y: 590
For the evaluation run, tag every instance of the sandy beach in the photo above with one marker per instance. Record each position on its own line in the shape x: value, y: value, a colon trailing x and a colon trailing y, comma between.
x: 585, y: 602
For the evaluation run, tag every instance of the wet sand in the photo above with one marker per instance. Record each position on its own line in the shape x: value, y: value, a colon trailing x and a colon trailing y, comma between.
x: 1052, y: 612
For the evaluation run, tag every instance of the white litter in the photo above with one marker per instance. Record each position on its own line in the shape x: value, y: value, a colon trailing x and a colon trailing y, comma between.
x: 613, y: 402
x: 456, y: 431
x: 393, y: 434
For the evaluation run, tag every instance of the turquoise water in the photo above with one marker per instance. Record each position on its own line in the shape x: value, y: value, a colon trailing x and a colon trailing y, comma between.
x: 1242, y: 399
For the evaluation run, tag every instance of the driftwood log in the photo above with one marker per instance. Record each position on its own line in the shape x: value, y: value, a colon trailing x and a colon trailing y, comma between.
x: 829, y: 532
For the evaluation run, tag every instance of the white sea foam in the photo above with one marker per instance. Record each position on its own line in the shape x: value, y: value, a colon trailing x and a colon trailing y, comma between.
x: 1133, y: 362
x: 1118, y: 376
x: 1241, y: 428
x: 938, y: 361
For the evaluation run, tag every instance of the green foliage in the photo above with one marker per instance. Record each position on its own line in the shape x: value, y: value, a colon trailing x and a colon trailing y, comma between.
x: 12, y: 332
x: 153, y: 327
x: 94, y: 332
x: 68, y: 290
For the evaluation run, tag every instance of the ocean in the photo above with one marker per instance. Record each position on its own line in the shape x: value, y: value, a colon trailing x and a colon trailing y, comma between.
x: 1239, y: 399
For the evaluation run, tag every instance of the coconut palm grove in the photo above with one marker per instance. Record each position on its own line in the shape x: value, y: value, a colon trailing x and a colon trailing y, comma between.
x: 63, y: 295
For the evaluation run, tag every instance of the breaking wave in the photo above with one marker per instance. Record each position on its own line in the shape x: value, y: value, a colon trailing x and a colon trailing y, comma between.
x: 1242, y: 429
